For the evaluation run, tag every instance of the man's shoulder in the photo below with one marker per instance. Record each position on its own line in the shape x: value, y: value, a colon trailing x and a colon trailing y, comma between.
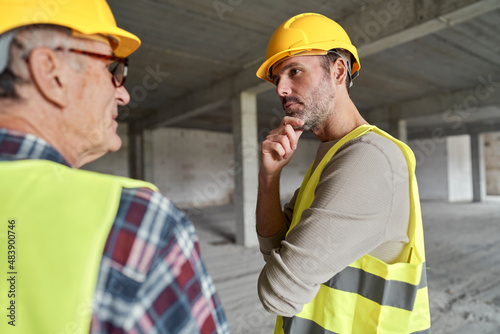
x: 144, y: 203
x: 376, y: 144
x: 374, y: 139
x: 378, y: 153
x: 120, y: 180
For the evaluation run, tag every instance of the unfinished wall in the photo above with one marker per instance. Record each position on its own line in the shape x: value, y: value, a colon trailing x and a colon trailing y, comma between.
x: 492, y: 162
x: 196, y: 167
x: 432, y: 169
x: 193, y: 167
x: 444, y: 170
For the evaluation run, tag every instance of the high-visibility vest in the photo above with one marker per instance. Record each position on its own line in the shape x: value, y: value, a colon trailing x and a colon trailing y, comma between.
x: 54, y: 223
x: 369, y: 296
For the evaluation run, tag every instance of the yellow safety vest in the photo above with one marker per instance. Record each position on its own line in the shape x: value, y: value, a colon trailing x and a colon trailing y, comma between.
x: 54, y: 222
x: 369, y: 296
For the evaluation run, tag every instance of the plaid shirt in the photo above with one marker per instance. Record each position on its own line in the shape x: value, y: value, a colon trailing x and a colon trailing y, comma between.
x: 151, y: 277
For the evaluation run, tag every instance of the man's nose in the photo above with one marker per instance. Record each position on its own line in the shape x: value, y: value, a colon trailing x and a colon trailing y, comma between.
x: 122, y: 96
x: 283, y: 87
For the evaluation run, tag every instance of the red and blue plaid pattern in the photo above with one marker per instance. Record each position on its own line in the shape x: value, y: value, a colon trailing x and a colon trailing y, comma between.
x: 151, y: 278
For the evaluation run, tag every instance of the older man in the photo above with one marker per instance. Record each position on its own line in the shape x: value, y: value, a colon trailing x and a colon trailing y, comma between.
x: 346, y: 255
x: 83, y: 251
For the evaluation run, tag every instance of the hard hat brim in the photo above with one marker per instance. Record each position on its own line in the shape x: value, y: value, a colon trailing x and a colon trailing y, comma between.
x: 98, y: 23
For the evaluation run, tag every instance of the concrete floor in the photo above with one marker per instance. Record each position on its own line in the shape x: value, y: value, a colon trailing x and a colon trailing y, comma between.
x: 463, y: 257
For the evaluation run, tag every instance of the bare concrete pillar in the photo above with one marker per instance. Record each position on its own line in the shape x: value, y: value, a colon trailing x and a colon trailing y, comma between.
x: 135, y: 153
x: 398, y: 129
x: 478, y: 169
x: 246, y: 166
x: 458, y: 156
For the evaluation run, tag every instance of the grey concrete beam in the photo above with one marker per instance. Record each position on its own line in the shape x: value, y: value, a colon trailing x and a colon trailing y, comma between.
x: 440, y: 131
x: 387, y: 24
x: 202, y: 100
x: 454, y: 107
x: 380, y: 26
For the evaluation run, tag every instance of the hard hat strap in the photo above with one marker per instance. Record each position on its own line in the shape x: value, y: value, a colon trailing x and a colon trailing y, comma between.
x: 5, y: 41
x: 346, y: 55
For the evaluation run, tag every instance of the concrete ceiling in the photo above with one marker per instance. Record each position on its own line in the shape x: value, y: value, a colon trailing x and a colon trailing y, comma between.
x: 434, y: 63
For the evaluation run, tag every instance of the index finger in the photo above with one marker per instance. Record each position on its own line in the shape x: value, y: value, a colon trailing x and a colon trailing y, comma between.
x: 293, y: 135
x: 293, y: 121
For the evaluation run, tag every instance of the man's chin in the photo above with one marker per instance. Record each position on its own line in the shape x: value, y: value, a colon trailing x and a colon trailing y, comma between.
x: 293, y: 113
x: 116, y: 146
x: 115, y: 143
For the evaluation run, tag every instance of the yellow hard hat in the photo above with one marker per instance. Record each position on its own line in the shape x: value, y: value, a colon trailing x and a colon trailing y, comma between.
x: 88, y: 17
x: 306, y: 34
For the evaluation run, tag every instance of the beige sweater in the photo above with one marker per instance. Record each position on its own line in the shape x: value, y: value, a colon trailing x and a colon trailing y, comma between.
x: 361, y: 206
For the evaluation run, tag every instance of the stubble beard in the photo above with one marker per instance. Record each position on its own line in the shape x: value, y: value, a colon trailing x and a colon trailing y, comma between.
x: 316, y: 109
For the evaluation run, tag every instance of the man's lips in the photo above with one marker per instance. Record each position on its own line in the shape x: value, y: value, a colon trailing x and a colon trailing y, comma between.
x: 290, y: 104
x: 289, y: 101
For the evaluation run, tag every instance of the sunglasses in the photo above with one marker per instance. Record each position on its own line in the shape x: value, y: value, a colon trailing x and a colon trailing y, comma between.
x: 118, y: 68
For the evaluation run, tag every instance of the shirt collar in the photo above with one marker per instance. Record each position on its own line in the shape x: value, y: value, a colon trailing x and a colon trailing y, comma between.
x: 16, y: 145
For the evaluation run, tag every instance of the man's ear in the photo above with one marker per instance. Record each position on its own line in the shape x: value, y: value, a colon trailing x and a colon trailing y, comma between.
x: 340, y: 71
x: 48, y: 72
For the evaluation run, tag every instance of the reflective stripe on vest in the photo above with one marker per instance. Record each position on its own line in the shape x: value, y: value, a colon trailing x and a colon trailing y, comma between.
x: 368, y: 296
x: 298, y: 325
x: 62, y: 218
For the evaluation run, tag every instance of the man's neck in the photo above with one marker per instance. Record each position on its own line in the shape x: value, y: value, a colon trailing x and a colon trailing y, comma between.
x: 342, y: 120
x: 18, y: 120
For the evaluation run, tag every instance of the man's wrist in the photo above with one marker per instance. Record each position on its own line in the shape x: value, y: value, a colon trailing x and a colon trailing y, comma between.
x: 268, y: 180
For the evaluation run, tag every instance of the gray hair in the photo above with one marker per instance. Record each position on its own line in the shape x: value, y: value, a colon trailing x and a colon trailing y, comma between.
x: 330, y: 58
x: 16, y: 46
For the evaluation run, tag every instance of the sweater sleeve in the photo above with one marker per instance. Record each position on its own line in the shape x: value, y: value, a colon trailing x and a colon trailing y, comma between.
x: 348, y: 218
x: 267, y: 244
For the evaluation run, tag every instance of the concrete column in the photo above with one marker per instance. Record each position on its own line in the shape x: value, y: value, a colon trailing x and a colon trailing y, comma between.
x: 458, y: 154
x: 478, y: 167
x: 246, y: 166
x: 135, y: 153
x: 398, y: 129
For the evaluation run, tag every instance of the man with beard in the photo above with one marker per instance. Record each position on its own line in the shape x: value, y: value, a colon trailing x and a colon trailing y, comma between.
x: 346, y: 254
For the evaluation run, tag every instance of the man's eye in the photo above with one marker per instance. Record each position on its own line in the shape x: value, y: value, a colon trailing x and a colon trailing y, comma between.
x: 294, y: 71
